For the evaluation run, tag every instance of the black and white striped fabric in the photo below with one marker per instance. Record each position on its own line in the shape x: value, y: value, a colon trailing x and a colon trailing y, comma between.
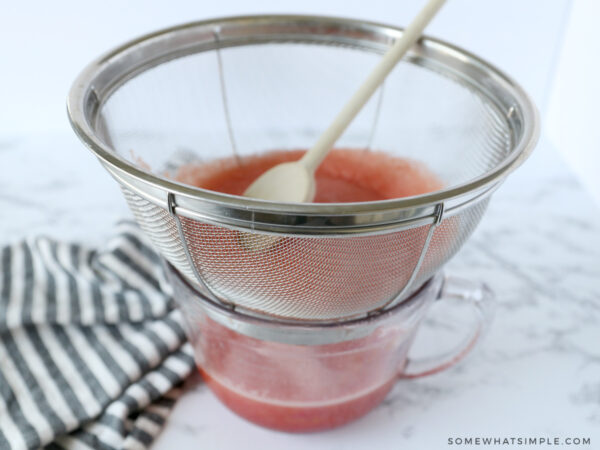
x: 92, y: 351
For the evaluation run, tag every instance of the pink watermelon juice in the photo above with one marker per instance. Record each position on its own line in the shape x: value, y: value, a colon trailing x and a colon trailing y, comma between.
x: 298, y: 388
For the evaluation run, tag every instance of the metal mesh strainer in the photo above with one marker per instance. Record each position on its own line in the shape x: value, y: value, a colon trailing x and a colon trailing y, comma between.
x: 243, y: 85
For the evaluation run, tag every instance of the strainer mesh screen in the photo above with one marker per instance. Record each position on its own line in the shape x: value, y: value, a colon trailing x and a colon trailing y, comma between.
x: 161, y: 228
x: 303, y: 277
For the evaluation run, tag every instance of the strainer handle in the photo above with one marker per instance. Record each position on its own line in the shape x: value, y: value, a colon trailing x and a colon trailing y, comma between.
x: 481, y: 300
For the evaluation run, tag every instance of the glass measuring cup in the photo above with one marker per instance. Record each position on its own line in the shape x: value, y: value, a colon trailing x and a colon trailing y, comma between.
x: 302, y: 376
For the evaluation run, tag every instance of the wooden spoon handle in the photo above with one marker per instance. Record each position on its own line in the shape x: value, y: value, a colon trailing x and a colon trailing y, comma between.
x: 313, y: 158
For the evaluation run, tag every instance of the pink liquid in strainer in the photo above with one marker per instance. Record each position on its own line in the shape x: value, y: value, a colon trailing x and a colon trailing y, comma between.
x: 344, y: 176
x: 332, y: 276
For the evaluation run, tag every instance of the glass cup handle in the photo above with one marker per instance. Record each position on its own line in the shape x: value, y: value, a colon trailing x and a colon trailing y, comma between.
x: 481, y: 299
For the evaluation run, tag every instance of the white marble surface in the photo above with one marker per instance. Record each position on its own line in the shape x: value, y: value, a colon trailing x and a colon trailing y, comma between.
x: 537, y: 374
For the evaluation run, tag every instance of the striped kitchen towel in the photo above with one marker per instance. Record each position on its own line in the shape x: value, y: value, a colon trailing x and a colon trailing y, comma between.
x: 92, y: 350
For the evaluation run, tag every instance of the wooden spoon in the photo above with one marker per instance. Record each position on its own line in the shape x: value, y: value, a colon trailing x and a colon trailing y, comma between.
x: 295, y: 181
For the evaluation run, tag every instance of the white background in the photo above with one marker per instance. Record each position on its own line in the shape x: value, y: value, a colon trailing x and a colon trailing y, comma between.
x: 45, y: 44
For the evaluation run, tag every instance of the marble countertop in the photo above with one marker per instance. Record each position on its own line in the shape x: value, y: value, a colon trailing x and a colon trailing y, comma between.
x: 537, y: 373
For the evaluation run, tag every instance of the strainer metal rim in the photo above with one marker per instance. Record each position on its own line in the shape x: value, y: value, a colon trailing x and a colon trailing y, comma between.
x: 83, y: 96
